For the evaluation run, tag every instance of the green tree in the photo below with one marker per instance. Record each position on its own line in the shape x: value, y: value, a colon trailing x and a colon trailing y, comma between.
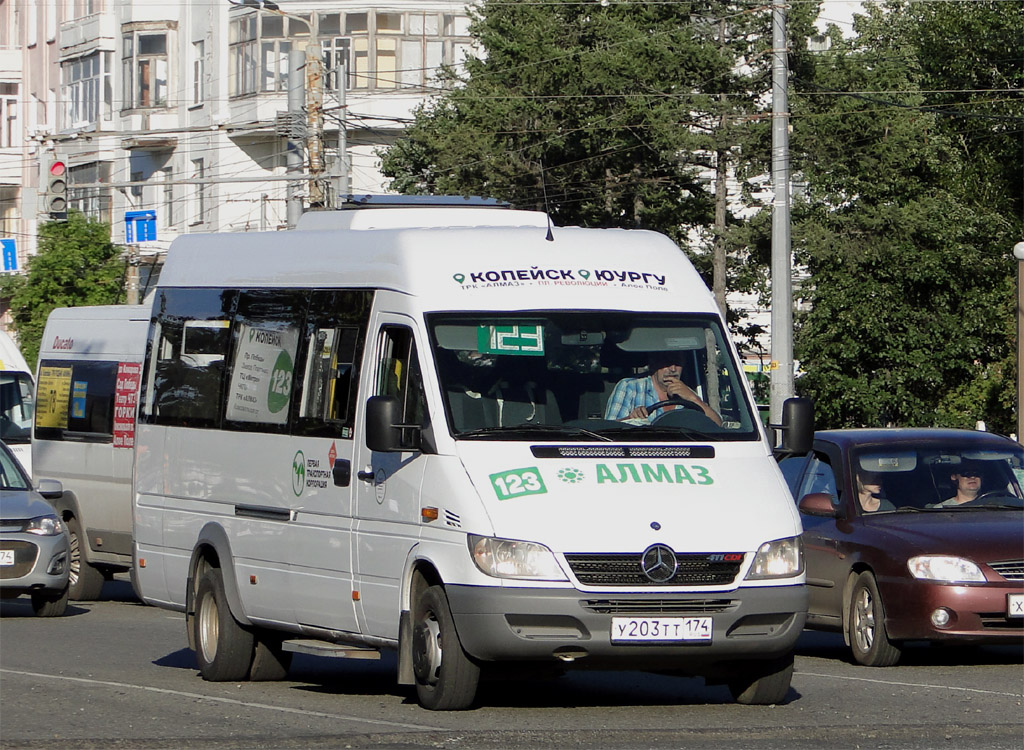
x: 910, y: 215
x: 76, y: 264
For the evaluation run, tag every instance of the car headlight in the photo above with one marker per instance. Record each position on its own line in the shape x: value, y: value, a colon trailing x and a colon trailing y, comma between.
x: 45, y: 526
x: 945, y: 569
x: 783, y: 558
x: 507, y: 558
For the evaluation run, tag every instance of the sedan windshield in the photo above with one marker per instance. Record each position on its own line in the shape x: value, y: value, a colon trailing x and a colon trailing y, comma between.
x: 940, y: 477
x: 590, y: 376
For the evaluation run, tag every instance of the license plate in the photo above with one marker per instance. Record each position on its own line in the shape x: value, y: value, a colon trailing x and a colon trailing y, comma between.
x: 1015, y: 605
x: 6, y: 557
x: 639, y: 629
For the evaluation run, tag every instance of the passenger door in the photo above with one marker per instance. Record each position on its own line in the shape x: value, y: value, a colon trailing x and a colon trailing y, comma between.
x: 388, y: 485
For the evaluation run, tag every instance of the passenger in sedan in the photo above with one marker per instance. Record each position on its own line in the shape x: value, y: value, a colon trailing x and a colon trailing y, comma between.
x: 869, y: 492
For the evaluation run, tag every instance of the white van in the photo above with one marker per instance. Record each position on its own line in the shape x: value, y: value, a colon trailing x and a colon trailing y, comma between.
x: 90, y: 367
x: 16, y: 399
x: 396, y: 435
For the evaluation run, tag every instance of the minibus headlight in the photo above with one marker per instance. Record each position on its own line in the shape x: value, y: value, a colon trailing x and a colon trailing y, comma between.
x: 45, y: 526
x: 783, y: 558
x: 945, y: 569
x: 508, y: 558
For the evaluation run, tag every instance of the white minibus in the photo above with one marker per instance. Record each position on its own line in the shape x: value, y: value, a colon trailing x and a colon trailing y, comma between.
x: 16, y: 399
x: 90, y: 367
x: 407, y: 428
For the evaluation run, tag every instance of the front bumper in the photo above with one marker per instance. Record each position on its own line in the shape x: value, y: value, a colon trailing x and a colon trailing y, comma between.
x: 524, y: 624
x: 978, y: 613
x: 40, y: 563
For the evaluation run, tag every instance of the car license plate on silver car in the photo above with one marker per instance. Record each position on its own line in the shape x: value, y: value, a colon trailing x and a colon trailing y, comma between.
x: 6, y: 557
x: 634, y: 629
x: 1015, y: 605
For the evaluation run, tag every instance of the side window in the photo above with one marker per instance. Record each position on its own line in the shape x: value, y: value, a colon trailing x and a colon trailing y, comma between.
x: 264, y: 350
x: 75, y: 400
x: 188, y: 346
x: 332, y: 349
x: 819, y: 478
x: 791, y: 468
x: 399, y: 374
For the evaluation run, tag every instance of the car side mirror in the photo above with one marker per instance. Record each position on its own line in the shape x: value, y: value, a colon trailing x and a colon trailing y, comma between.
x: 384, y: 431
x: 797, y: 426
x: 818, y: 504
x: 51, y: 489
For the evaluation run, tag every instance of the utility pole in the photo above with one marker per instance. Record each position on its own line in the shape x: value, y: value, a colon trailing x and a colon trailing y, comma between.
x: 782, y: 274
x: 296, y: 102
x: 315, y: 126
x: 719, y: 264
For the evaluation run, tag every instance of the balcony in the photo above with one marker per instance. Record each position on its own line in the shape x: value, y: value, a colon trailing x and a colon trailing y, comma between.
x: 84, y: 35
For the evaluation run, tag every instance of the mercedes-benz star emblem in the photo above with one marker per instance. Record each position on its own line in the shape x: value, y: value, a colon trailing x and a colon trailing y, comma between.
x: 659, y: 563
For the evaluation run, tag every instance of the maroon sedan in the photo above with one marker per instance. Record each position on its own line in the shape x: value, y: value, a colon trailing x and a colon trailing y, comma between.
x: 912, y: 535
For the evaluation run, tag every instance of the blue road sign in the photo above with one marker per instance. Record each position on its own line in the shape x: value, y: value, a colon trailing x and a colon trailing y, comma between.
x: 9, y: 249
x: 139, y: 226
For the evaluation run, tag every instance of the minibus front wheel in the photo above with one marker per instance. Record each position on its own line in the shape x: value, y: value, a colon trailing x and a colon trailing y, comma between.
x: 446, y: 678
x: 224, y: 649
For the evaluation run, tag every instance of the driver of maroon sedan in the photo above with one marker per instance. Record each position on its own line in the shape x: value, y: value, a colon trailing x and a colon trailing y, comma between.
x: 967, y: 481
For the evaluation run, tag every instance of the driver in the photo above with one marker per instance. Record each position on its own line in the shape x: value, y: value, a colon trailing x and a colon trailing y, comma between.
x: 967, y: 481
x: 632, y: 396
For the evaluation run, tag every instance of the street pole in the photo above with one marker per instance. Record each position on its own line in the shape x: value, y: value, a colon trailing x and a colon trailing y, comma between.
x: 782, y: 280
x: 1018, y: 253
x: 296, y: 102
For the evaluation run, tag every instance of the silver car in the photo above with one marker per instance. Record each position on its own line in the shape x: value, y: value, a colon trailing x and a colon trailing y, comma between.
x: 34, y: 550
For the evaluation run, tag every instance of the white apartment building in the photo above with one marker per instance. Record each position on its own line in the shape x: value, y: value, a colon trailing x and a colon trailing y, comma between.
x: 176, y: 107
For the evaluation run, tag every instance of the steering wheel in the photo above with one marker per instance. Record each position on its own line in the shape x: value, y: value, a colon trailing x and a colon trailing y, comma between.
x: 990, y: 493
x: 674, y: 402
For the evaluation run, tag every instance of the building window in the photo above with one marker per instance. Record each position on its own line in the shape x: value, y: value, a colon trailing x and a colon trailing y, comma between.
x: 198, y: 72
x: 199, y: 173
x: 381, y: 50
x: 10, y: 131
x: 87, y: 90
x: 91, y: 201
x: 145, y: 69
x: 170, y: 209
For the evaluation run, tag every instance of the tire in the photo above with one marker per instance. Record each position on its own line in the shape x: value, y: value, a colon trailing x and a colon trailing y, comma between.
x: 86, y: 582
x: 760, y: 684
x: 446, y: 678
x: 224, y: 649
x: 49, y: 605
x: 868, y: 640
x: 269, y: 662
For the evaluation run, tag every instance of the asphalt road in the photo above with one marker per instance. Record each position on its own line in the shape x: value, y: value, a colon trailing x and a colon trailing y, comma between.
x: 117, y: 674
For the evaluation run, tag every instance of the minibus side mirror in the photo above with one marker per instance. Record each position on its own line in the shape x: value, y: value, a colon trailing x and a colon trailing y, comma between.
x: 383, y: 429
x: 797, y: 426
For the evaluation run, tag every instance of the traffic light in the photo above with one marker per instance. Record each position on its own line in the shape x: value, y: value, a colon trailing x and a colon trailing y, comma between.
x: 57, y: 191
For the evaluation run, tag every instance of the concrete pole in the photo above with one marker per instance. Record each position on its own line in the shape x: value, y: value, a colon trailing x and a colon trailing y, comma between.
x: 296, y: 104
x: 782, y: 278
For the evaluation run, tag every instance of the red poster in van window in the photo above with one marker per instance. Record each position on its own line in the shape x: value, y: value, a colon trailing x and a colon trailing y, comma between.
x: 126, y: 397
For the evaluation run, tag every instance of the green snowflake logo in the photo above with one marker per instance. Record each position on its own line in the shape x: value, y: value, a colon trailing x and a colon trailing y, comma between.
x: 570, y: 476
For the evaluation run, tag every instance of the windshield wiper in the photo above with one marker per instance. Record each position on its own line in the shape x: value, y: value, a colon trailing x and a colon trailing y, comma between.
x: 532, y: 429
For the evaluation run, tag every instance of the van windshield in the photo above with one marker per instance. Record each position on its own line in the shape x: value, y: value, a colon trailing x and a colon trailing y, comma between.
x: 16, y: 409
x: 589, y: 375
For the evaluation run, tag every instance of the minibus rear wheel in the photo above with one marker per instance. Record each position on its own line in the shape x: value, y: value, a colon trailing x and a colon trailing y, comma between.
x: 446, y: 678
x: 224, y: 649
x: 762, y: 683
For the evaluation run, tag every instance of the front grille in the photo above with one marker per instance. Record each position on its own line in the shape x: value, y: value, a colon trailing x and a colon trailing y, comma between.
x: 626, y: 570
x: 647, y: 606
x: 1011, y: 570
x: 25, y: 554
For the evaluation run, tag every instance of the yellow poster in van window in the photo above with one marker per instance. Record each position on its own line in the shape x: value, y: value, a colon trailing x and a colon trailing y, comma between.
x: 52, y: 392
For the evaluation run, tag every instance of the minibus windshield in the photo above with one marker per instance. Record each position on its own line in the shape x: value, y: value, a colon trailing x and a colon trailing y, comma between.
x: 589, y: 375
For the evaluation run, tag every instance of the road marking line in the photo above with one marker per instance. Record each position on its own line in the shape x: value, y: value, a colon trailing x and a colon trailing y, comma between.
x: 247, y: 704
x: 910, y: 684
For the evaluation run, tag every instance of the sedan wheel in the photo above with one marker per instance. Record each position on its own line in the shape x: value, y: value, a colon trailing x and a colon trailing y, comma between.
x: 868, y: 639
